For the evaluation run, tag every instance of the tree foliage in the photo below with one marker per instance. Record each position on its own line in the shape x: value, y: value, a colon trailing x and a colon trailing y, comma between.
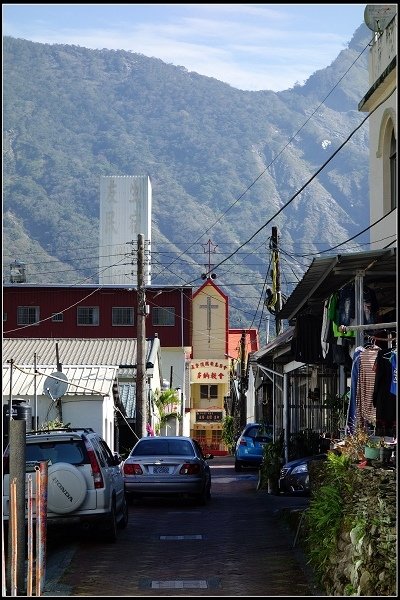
x: 164, y: 401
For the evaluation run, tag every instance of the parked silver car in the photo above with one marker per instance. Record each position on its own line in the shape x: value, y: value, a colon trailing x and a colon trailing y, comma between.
x: 168, y: 466
x: 85, y: 483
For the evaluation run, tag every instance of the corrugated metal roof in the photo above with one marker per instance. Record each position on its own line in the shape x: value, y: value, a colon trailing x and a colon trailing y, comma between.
x: 234, y: 340
x: 281, y: 340
x: 326, y: 275
x: 87, y: 381
x: 73, y: 351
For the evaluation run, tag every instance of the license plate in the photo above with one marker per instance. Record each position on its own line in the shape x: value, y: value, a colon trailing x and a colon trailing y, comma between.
x: 160, y: 469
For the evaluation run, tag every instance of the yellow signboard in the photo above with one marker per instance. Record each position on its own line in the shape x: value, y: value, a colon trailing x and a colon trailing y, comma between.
x: 209, y: 371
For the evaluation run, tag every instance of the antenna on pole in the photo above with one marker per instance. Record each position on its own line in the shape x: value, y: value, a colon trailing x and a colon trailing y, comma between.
x: 209, y: 265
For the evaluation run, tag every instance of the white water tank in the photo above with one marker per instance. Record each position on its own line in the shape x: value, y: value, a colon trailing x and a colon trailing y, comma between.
x: 17, y: 272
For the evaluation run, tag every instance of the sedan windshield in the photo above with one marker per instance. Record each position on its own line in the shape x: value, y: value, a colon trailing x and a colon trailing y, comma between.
x: 160, y: 447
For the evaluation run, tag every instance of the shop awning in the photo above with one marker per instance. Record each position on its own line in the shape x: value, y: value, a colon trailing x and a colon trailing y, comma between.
x: 328, y: 274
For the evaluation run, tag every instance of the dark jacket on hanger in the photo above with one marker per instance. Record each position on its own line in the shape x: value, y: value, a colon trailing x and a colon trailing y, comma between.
x: 306, y: 342
x: 346, y: 305
x: 383, y: 399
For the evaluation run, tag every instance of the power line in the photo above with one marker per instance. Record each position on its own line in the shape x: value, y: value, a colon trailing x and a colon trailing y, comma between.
x: 308, y: 182
x: 276, y: 157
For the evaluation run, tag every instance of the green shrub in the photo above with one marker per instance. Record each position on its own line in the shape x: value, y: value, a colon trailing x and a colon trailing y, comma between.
x: 324, y: 516
x: 228, y: 433
x: 271, y: 462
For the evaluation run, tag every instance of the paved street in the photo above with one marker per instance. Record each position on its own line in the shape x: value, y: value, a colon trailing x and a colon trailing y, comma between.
x: 235, y: 546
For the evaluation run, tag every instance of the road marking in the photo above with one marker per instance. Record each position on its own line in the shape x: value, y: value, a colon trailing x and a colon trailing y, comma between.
x: 236, y: 478
x: 180, y: 584
x: 181, y: 537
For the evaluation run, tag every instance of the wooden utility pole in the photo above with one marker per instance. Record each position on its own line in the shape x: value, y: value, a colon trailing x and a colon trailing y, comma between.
x: 276, y: 279
x: 141, y: 404
x: 58, y: 400
x: 243, y: 399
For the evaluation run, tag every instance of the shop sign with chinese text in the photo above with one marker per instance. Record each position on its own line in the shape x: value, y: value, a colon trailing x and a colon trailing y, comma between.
x: 209, y: 371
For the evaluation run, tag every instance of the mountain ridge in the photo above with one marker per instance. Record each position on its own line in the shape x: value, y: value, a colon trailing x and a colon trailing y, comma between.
x: 222, y: 162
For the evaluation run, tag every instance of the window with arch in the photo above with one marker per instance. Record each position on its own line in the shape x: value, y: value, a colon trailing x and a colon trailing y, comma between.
x: 387, y: 152
x: 393, y: 172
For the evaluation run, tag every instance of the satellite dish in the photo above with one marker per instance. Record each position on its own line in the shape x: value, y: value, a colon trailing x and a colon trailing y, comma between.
x: 55, y: 385
x: 378, y: 16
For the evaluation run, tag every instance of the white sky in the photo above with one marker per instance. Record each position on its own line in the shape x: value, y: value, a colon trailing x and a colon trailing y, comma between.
x: 249, y: 46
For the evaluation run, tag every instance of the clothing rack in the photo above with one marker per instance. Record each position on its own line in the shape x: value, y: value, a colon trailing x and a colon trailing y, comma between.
x: 344, y: 328
x: 359, y: 329
x: 389, y: 339
x: 371, y: 326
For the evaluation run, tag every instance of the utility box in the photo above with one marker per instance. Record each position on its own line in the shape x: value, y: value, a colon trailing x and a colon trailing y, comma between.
x: 21, y: 411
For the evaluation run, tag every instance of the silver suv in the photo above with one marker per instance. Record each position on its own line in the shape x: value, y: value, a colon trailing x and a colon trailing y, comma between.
x: 85, y: 482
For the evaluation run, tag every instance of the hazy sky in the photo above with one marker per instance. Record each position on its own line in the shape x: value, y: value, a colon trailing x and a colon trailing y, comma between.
x: 249, y: 46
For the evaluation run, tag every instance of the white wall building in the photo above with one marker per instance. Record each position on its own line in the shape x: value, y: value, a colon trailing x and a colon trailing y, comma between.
x: 125, y: 212
x: 99, y: 374
x: 87, y: 402
x: 382, y: 99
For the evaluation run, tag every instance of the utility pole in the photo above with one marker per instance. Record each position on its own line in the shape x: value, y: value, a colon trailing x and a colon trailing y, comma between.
x: 59, y: 369
x: 141, y: 404
x: 276, y: 279
x: 243, y: 403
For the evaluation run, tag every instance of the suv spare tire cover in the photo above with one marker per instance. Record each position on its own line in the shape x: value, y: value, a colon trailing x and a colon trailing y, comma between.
x: 66, y: 488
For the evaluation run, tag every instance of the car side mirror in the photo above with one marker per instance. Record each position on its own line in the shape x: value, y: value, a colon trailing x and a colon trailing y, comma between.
x: 117, y: 458
x: 209, y: 456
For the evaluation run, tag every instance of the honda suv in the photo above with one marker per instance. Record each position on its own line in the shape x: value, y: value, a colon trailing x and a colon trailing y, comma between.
x: 85, y: 482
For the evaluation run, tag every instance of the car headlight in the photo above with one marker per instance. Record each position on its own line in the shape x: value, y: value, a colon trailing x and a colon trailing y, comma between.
x: 300, y: 469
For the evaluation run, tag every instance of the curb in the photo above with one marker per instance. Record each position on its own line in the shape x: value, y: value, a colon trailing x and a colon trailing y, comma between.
x: 55, y: 568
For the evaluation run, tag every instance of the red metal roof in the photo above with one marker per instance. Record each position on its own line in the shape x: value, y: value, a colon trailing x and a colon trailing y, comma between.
x: 234, y: 337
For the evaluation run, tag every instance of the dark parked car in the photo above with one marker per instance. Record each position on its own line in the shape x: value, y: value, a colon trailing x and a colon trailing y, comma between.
x: 250, y: 445
x: 294, y: 477
x: 168, y: 466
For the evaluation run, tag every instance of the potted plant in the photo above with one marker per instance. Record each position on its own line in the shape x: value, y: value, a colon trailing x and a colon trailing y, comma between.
x: 371, y: 449
x: 271, y: 466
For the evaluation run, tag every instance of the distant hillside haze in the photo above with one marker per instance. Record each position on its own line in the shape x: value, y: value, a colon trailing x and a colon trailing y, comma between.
x: 223, y: 163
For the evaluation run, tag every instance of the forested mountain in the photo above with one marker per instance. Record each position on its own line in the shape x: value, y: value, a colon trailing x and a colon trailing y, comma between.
x: 222, y: 162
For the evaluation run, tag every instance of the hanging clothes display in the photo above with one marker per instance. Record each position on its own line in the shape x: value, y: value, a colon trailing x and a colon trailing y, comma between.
x: 346, y: 305
x: 393, y: 363
x: 306, y: 342
x: 335, y: 345
x: 384, y: 399
x: 334, y: 316
x: 325, y: 330
x: 355, y: 369
x: 365, y: 409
